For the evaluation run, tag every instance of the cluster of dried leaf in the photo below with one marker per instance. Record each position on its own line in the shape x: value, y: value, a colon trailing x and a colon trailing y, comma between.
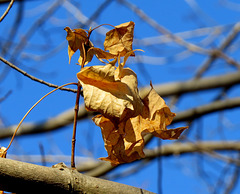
x: 113, y: 91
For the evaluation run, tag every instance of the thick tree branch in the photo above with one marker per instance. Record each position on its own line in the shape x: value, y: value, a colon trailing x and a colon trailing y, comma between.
x: 175, y: 149
x: 224, y: 45
x: 99, y: 168
x: 177, y: 88
x: 206, y: 109
x: 57, y: 122
x: 23, y: 177
x: 185, y: 148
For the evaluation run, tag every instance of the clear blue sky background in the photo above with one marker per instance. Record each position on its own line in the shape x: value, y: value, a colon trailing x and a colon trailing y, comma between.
x: 179, y: 174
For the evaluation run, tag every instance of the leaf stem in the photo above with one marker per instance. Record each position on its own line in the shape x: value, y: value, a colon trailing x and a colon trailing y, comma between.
x: 15, y: 132
x: 7, y: 10
x: 75, y: 126
x: 90, y: 31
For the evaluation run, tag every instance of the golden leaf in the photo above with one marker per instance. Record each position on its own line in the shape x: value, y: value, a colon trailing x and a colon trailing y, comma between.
x: 125, y: 118
x: 114, y: 142
x: 100, y: 54
x: 119, y: 70
x: 125, y: 142
x: 119, y: 40
x: 117, y: 100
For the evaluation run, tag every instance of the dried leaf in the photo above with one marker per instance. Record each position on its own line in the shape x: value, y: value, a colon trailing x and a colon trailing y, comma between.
x: 127, y: 143
x: 116, y: 100
x: 156, y: 116
x: 89, y: 55
x: 100, y: 54
x: 119, y: 40
x: 119, y: 70
x: 114, y: 142
x: 113, y: 92
x: 78, y: 40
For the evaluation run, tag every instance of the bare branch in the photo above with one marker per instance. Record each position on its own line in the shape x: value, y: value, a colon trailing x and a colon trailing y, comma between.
x: 5, y: 96
x: 7, y: 10
x: 59, y: 121
x: 223, y: 46
x: 34, y: 78
x: 58, y: 179
x: 206, y: 109
x: 233, y: 181
x: 175, y: 149
x: 177, y: 88
x: 99, y: 168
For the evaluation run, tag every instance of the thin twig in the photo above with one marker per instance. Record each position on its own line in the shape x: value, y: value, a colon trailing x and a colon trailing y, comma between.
x: 7, y: 10
x: 34, y: 78
x: 234, y: 180
x: 7, y: 46
x: 75, y: 125
x: 160, y: 167
x: 15, y: 132
x: 223, y: 46
x: 33, y: 29
x: 5, y: 96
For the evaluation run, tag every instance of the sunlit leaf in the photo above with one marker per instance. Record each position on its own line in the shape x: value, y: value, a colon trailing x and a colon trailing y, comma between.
x: 119, y: 40
x: 117, y: 100
x: 129, y: 135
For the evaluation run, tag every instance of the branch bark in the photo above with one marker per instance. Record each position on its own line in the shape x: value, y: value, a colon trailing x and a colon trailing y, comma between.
x: 176, y: 149
x: 177, y: 88
x: 23, y: 177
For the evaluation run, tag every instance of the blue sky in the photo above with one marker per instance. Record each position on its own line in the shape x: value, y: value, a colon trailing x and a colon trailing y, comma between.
x: 179, y: 173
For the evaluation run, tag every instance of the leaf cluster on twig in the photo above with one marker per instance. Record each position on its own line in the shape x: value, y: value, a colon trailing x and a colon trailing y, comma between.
x: 112, y: 90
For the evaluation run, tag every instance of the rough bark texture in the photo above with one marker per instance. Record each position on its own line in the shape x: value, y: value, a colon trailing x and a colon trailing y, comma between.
x: 20, y: 177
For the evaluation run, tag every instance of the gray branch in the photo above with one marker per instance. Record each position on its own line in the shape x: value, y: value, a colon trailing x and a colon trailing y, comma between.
x: 177, y: 88
x: 66, y: 118
x: 176, y: 149
x: 23, y: 177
